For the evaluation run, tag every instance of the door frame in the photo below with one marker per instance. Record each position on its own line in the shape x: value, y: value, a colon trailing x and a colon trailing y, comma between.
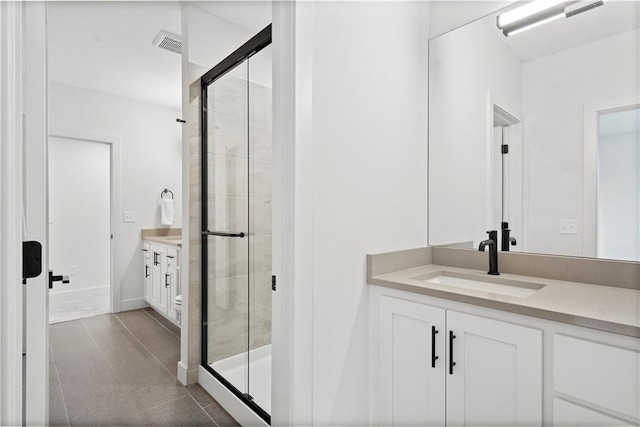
x: 11, y: 196
x: 115, y: 285
x: 590, y: 177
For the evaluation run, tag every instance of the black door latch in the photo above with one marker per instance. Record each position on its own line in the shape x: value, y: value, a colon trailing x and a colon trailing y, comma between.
x: 31, y: 260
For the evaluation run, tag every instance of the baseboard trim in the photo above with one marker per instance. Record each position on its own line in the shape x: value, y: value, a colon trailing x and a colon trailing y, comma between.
x: 133, y: 304
x: 183, y: 374
x: 97, y: 292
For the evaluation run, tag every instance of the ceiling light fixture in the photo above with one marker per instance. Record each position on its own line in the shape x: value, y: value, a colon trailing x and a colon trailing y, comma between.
x: 539, y: 12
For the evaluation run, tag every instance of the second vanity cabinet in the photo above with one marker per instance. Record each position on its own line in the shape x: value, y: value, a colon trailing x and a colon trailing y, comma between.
x: 438, y: 366
x: 510, y: 369
x: 161, y: 278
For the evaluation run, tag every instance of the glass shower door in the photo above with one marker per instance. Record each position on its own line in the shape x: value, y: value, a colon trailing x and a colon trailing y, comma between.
x: 225, y: 233
x: 236, y: 223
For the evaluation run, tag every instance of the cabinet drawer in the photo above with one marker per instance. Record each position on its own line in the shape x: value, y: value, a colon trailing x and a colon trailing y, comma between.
x: 173, y: 257
x: 570, y: 414
x: 599, y: 373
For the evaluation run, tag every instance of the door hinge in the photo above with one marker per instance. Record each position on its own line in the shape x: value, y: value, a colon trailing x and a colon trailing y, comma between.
x: 273, y: 283
x: 505, y: 149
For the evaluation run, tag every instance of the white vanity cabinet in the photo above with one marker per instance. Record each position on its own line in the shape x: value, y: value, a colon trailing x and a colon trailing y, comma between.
x: 510, y: 369
x: 162, y: 278
x: 443, y: 367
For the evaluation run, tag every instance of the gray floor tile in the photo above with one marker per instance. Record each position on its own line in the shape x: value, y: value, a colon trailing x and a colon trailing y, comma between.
x: 163, y: 321
x: 99, y: 405
x: 57, y: 409
x: 200, y: 395
x: 120, y: 370
x: 221, y: 417
x: 180, y: 412
x: 158, y: 340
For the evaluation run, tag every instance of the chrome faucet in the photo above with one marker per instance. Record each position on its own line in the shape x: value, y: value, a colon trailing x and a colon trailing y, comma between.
x: 492, y: 242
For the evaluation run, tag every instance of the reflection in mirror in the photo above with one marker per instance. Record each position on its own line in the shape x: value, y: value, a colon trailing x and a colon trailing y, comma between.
x: 564, y: 98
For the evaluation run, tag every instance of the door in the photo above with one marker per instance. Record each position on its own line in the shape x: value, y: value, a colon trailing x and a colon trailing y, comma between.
x: 79, y: 227
x: 412, y: 363
x: 494, y: 372
x: 236, y: 223
x: 35, y: 210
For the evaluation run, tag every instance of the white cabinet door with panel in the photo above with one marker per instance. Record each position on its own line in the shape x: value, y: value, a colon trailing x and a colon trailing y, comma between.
x: 494, y: 372
x: 147, y: 270
x: 411, y: 363
x: 173, y: 287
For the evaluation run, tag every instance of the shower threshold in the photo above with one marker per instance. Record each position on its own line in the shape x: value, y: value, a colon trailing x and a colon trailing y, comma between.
x: 234, y: 370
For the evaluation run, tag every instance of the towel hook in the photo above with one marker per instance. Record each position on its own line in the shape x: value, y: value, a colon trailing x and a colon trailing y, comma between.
x: 165, y: 191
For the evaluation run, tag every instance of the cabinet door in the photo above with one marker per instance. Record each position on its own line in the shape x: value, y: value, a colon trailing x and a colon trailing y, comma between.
x: 173, y: 292
x: 497, y: 376
x: 147, y: 271
x: 411, y: 379
x: 158, y: 292
x: 163, y: 300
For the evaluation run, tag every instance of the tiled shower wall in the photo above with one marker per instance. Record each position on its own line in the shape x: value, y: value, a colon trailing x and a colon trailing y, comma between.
x: 239, y: 270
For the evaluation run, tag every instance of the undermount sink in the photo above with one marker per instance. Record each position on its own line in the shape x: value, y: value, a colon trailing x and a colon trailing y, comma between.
x: 491, y: 284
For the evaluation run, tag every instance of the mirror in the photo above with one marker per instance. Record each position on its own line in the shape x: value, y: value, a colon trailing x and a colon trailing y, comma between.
x: 537, y: 134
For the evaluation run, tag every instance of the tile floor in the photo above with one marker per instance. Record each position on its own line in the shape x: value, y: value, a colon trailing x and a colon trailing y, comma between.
x: 120, y: 369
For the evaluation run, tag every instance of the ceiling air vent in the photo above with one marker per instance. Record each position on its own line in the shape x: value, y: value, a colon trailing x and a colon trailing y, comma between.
x: 168, y: 41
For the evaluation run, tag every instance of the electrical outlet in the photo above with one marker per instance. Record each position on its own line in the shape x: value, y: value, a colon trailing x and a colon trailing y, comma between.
x: 73, y: 270
x: 128, y: 216
x: 568, y: 226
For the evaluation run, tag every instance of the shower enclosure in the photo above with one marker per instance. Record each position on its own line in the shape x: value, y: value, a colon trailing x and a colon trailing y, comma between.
x: 236, y: 222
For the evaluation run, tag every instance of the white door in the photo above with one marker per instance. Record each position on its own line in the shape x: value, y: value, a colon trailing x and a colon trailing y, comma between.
x: 36, y: 208
x: 412, y: 362
x: 494, y: 372
x: 79, y: 227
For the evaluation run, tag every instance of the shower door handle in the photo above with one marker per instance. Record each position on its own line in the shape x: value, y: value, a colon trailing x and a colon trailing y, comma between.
x: 223, y: 234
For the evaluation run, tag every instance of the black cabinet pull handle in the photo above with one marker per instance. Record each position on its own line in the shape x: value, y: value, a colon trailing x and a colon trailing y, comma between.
x: 166, y: 279
x: 451, y: 362
x: 434, y: 331
x: 155, y: 258
x: 146, y: 271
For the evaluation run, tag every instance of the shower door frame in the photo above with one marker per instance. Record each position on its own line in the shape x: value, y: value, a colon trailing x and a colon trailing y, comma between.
x: 244, y: 52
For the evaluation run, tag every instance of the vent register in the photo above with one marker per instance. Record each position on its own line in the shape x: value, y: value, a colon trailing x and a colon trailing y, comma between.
x: 168, y: 41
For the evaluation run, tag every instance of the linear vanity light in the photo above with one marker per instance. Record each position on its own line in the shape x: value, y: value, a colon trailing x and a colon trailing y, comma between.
x: 539, y: 12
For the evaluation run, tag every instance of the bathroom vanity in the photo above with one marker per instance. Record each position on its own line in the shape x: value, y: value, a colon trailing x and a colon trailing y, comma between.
x: 162, y: 274
x: 453, y: 347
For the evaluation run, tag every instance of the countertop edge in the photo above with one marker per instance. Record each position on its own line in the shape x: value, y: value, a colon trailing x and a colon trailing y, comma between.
x: 162, y: 240
x: 555, y: 316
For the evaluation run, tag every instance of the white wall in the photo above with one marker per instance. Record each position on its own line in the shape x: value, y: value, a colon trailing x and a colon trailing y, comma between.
x: 79, y: 221
x: 211, y: 39
x: 361, y: 157
x: 555, y: 90
x: 469, y: 66
x: 151, y: 159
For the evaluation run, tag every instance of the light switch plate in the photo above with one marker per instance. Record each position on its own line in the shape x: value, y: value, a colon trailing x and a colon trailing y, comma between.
x: 568, y: 226
x: 128, y: 216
